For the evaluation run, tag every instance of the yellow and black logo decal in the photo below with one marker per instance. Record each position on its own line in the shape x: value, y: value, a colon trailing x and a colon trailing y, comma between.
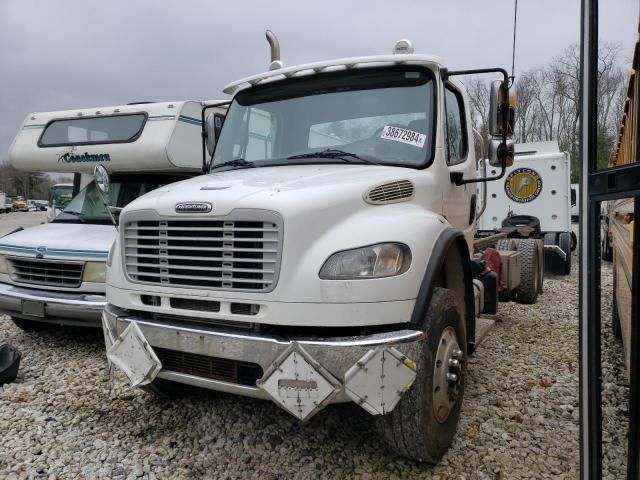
x: 523, y: 185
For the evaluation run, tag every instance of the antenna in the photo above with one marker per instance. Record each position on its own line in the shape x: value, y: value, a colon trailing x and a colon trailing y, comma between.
x: 513, y: 56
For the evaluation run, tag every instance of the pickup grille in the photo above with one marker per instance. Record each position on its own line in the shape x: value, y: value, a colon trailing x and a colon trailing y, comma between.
x: 226, y: 254
x: 52, y: 273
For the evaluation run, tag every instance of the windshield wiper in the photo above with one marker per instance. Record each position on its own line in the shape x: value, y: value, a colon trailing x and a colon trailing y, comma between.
x: 75, y: 214
x: 334, y: 154
x: 236, y: 162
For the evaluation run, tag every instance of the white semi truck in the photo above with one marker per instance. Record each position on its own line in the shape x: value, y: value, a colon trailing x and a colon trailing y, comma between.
x: 534, y: 194
x: 55, y: 272
x: 327, y: 256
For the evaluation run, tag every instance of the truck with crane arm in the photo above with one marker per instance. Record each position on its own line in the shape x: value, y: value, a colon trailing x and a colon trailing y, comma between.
x: 328, y: 256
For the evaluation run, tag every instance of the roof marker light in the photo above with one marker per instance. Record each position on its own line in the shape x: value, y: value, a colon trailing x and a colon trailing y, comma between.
x: 403, y: 45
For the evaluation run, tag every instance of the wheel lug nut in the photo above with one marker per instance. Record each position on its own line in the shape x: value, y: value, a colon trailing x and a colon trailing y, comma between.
x: 453, y: 363
x: 452, y: 377
x: 457, y: 354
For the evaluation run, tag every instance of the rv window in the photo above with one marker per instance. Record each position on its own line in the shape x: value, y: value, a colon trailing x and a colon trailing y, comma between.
x: 93, y: 130
x: 87, y: 206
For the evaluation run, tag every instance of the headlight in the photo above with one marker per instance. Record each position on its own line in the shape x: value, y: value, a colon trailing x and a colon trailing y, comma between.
x: 374, y: 261
x: 94, y: 272
x: 4, y: 268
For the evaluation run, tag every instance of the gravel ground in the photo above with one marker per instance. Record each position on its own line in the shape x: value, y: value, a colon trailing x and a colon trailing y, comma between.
x: 63, y: 418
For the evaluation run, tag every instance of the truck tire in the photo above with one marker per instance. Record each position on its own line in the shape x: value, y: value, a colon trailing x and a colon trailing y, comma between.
x: 540, y: 245
x: 564, y: 242
x: 515, y: 221
x: 506, y: 244
x: 167, y: 390
x: 423, y: 424
x: 527, y: 291
x: 552, y: 262
x: 29, y: 325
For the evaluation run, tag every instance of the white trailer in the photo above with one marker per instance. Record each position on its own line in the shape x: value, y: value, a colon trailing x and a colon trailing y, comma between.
x: 55, y: 272
x: 534, y: 194
x: 327, y: 256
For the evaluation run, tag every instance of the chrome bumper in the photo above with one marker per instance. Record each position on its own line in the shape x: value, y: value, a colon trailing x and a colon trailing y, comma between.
x: 335, y: 355
x: 79, y: 309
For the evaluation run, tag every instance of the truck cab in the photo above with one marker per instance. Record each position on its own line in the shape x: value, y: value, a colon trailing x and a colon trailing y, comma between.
x: 54, y: 273
x: 325, y: 257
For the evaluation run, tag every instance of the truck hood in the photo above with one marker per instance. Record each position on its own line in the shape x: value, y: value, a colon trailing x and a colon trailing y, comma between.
x: 278, y: 188
x: 61, y: 240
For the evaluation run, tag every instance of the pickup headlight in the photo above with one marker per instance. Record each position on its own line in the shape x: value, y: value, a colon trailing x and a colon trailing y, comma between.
x: 94, y: 272
x: 375, y: 261
x: 4, y: 268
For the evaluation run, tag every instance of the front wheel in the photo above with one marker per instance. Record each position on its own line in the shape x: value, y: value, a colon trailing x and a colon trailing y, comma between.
x: 424, y: 422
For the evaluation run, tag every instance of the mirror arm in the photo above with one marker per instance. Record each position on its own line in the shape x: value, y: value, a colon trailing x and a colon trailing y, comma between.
x: 108, y: 208
x: 457, y: 177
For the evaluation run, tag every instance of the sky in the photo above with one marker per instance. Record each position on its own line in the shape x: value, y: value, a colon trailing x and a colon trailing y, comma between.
x: 60, y: 55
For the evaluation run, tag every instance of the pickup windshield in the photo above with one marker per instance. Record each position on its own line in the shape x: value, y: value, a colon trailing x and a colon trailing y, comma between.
x: 87, y: 206
x: 367, y: 116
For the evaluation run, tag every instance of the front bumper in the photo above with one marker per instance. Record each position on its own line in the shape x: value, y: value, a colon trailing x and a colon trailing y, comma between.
x: 78, y: 309
x: 356, y: 368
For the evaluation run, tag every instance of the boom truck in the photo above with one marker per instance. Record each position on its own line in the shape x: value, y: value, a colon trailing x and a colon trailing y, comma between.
x: 54, y: 273
x: 328, y: 256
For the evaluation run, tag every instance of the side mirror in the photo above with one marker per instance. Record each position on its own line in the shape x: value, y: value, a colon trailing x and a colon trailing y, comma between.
x: 101, y: 177
x: 498, y: 92
x: 213, y: 125
x: 495, y: 155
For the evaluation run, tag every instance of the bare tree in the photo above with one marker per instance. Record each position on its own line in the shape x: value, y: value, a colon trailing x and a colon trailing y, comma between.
x: 548, y: 101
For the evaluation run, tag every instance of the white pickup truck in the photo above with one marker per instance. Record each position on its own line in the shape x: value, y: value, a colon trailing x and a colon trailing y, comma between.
x: 326, y: 257
x: 55, y: 272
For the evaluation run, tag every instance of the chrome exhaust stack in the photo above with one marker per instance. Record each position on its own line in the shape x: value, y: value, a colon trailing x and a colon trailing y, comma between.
x: 274, y: 45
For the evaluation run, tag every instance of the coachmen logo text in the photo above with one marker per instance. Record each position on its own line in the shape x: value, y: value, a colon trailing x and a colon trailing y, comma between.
x: 193, y: 207
x: 71, y: 157
x: 523, y: 185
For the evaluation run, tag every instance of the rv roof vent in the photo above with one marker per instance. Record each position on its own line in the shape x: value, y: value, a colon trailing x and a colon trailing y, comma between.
x: 390, y: 192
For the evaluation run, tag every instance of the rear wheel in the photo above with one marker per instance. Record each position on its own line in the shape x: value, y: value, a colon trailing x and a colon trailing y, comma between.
x: 527, y: 291
x: 540, y: 246
x: 506, y: 244
x: 29, y: 325
x: 424, y: 422
x: 564, y: 242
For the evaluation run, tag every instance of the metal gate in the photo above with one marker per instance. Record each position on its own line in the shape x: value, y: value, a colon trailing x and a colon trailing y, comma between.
x: 617, y: 182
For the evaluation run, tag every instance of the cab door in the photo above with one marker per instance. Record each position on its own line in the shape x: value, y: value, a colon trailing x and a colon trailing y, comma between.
x: 459, y: 201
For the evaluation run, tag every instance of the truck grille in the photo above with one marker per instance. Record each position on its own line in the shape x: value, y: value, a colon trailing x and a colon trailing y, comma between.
x: 52, y: 273
x: 228, y: 254
x: 232, y: 371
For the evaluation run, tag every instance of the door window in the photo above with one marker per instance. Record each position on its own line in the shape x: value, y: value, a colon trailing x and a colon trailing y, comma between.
x: 457, y: 147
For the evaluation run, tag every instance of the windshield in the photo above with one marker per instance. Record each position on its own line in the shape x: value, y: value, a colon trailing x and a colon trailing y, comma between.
x: 60, y: 195
x: 87, y: 206
x: 380, y: 116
